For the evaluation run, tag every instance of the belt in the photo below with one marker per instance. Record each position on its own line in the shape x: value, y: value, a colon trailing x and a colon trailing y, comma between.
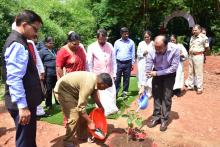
x: 196, y: 53
x: 166, y: 76
x: 124, y: 62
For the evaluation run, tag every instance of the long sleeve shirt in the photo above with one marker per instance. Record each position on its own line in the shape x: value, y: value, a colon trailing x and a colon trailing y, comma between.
x: 101, y: 58
x: 163, y: 64
x: 49, y: 61
x: 124, y: 50
x: 16, y: 58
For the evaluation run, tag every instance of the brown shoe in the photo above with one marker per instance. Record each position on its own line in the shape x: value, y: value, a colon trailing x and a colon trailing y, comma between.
x: 199, y: 92
x: 153, y: 123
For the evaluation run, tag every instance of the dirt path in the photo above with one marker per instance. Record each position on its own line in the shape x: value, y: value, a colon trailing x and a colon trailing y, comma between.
x: 194, y: 120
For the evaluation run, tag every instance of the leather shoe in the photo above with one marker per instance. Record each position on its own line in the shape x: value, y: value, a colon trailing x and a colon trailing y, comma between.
x: 163, y: 126
x: 153, y: 123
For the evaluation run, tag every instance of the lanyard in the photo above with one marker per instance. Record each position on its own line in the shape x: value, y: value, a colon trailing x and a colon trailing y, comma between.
x: 52, y: 52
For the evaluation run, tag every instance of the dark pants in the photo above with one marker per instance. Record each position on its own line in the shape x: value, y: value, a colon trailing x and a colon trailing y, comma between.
x: 25, y: 134
x: 123, y: 67
x: 162, y: 90
x: 50, y: 82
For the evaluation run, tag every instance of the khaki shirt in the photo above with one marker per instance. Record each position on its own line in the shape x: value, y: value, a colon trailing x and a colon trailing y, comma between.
x: 80, y: 85
x: 198, y: 43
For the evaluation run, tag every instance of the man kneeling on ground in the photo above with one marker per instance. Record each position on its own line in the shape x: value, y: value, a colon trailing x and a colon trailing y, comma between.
x: 72, y: 92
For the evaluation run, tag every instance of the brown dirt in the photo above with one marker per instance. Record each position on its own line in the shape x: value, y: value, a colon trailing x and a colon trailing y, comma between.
x: 194, y: 121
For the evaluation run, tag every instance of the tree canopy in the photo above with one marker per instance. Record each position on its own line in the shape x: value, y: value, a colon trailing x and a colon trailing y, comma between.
x: 86, y: 16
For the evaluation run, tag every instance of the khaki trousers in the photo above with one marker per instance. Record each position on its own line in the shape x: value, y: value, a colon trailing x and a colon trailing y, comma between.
x: 196, y: 63
x: 76, y: 127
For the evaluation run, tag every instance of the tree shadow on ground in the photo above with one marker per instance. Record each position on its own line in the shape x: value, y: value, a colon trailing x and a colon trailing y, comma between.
x: 58, y: 142
x: 119, y: 137
x: 112, y: 129
x: 4, y: 130
x: 103, y: 143
x: 173, y: 116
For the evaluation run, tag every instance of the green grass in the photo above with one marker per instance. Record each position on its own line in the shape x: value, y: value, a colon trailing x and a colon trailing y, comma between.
x: 55, y: 117
x: 2, y: 90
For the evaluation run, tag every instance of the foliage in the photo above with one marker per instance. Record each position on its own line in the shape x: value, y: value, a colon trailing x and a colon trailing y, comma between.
x: 133, y: 119
x: 86, y: 16
x: 207, y: 14
x: 2, y: 90
x: 59, y: 18
x: 113, y: 15
x: 6, y: 19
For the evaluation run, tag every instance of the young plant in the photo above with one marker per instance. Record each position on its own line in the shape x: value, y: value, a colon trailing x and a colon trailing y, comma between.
x: 134, y: 124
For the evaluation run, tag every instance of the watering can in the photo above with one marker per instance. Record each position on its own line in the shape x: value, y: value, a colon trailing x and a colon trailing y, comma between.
x: 142, y: 102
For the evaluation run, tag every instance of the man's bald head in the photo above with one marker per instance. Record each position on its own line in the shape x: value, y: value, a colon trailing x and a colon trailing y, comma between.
x: 160, y: 43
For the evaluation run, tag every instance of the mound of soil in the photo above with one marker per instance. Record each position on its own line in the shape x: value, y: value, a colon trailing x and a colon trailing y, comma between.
x: 121, y: 140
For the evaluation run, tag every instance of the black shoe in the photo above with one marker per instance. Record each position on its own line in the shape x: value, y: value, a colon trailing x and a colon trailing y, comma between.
x: 163, y: 126
x: 153, y: 123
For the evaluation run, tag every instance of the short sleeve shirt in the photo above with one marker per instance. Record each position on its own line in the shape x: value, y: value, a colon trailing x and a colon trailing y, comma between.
x: 71, y: 61
x: 198, y: 43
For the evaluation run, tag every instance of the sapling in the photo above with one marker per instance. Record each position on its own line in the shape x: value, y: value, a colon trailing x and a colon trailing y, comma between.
x: 134, y: 124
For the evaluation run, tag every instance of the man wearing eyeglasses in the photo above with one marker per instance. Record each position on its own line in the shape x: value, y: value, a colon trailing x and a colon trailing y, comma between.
x: 22, y: 84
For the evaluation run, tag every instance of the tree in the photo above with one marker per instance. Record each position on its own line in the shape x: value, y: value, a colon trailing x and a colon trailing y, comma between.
x: 6, y: 18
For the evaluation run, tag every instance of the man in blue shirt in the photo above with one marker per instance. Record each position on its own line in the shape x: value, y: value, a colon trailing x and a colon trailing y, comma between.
x: 161, y: 64
x: 23, y: 91
x: 124, y: 49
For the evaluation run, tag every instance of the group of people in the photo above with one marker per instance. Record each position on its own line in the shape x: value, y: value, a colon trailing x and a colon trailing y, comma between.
x: 73, y: 75
x: 163, y: 70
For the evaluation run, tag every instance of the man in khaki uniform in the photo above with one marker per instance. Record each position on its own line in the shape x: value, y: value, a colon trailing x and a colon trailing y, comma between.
x: 198, y: 45
x: 72, y: 92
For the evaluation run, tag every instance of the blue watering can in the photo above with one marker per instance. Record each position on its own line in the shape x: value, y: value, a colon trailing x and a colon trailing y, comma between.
x: 142, y: 102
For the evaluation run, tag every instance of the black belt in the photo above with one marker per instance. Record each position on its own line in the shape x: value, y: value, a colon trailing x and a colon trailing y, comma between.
x: 166, y: 76
x: 124, y: 62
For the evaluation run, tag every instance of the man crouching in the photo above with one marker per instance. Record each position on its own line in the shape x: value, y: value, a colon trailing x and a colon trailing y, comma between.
x: 72, y: 92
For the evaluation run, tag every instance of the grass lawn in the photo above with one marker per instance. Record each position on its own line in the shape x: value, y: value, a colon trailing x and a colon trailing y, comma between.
x: 57, y: 118
x: 2, y: 90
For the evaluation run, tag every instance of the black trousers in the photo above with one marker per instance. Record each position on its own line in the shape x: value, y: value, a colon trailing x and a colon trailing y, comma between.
x: 123, y: 68
x: 25, y: 134
x: 162, y: 90
x: 50, y: 82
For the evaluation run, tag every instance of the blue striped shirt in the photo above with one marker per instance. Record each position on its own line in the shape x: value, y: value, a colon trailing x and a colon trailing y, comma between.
x: 124, y: 50
x: 16, y: 58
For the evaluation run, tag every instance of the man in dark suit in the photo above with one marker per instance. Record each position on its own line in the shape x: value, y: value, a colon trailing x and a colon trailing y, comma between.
x: 22, y: 84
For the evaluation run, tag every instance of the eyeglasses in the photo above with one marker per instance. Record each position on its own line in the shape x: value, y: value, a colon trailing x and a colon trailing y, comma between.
x: 34, y: 27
